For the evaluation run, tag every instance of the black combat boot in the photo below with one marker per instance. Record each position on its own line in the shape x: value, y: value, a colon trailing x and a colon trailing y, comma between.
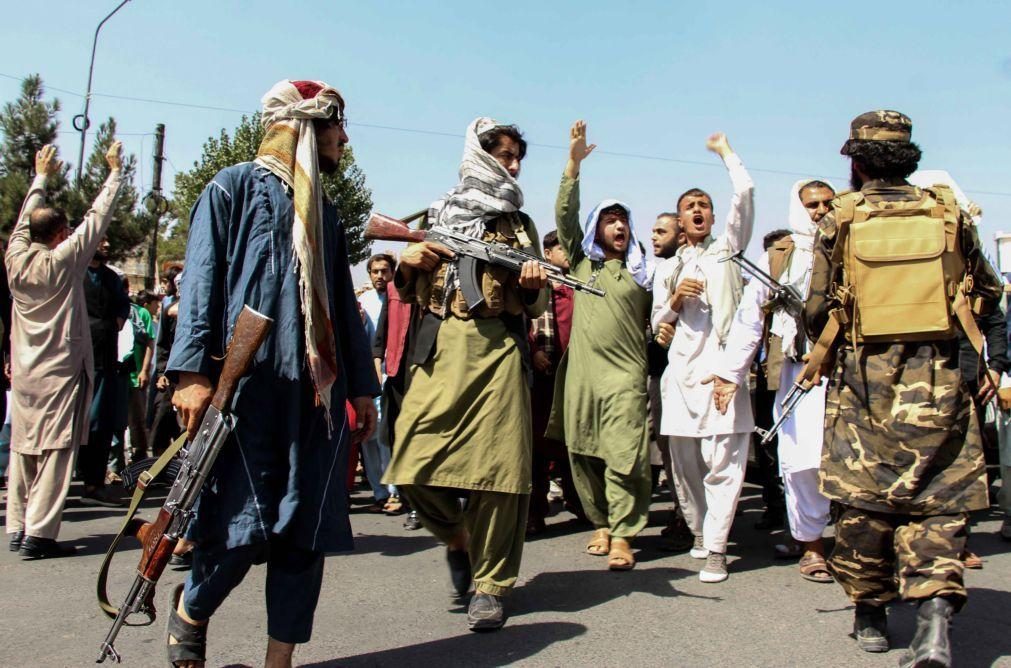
x: 870, y: 627
x: 931, y: 646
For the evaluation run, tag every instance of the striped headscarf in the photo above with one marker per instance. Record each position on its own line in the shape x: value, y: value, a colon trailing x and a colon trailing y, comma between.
x: 288, y: 150
x: 485, y: 191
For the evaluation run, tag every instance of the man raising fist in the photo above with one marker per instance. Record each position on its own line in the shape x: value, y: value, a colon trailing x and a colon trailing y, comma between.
x: 52, y: 366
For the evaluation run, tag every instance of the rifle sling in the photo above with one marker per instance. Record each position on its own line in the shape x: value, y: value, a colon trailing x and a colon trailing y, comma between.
x: 139, y: 492
x: 810, y: 375
x: 963, y: 312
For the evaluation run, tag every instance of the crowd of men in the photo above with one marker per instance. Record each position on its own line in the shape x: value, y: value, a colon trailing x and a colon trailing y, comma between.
x: 870, y: 332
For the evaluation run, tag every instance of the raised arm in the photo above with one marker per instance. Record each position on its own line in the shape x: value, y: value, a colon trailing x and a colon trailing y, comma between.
x: 570, y: 232
x: 79, y: 248
x: 46, y: 165
x: 741, y: 216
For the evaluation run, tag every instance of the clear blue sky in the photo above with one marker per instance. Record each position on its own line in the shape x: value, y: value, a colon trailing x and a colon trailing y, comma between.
x: 654, y: 79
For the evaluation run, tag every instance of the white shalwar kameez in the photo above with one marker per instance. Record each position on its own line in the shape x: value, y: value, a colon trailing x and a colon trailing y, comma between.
x: 709, y: 451
x: 801, y: 436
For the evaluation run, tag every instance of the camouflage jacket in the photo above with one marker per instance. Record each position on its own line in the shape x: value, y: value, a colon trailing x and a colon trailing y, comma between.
x: 901, y: 432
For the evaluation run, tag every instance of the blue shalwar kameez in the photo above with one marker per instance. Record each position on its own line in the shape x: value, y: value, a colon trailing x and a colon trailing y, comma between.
x: 277, y: 492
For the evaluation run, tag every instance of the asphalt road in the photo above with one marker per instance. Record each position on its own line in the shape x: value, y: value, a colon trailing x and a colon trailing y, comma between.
x: 387, y: 604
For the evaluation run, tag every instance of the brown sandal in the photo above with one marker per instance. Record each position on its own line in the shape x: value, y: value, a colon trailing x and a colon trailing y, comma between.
x: 620, y: 557
x: 600, y: 543
x: 814, y: 568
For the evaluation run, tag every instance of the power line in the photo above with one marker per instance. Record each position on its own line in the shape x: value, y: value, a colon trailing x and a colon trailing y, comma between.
x: 437, y: 133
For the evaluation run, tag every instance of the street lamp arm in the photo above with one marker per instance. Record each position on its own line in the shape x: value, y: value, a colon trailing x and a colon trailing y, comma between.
x: 85, y: 122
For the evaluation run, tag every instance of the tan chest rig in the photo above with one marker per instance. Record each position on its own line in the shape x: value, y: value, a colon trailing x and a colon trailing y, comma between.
x: 780, y: 254
x: 904, y: 275
x: 499, y: 286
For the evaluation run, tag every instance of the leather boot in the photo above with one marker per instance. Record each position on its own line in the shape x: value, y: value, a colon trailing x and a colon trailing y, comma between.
x: 870, y: 627
x: 931, y: 646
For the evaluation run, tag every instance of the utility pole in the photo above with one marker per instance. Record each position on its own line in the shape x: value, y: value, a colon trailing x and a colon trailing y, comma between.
x: 156, y: 204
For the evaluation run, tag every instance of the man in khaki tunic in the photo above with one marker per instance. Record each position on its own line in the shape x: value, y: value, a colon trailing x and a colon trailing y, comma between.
x: 52, y: 366
x: 464, y: 431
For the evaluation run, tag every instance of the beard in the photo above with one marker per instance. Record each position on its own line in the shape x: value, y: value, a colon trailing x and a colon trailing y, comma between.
x: 856, y: 183
x: 328, y: 166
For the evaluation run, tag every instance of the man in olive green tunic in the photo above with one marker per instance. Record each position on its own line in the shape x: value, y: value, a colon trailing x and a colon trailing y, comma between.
x: 600, y: 394
x: 464, y: 431
x: 903, y: 455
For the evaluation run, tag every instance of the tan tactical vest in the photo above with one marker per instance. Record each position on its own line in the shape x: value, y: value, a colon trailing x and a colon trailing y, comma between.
x: 779, y: 259
x: 499, y: 285
x: 903, y: 267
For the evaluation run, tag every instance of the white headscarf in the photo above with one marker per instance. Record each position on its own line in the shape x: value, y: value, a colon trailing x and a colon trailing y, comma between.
x: 635, y: 261
x: 798, y: 270
x: 924, y: 178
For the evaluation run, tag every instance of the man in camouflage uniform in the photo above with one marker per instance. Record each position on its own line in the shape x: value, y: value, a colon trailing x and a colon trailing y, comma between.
x: 903, y: 453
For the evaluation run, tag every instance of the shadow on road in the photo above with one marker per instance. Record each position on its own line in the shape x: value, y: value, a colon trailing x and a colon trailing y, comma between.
x: 395, y: 546
x: 572, y: 591
x: 511, y: 644
x: 981, y: 633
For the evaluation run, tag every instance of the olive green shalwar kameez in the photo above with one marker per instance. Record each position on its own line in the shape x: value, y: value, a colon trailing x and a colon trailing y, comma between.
x: 599, y: 408
x: 465, y: 432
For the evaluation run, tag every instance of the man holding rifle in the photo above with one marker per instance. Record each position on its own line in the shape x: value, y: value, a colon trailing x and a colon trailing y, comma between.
x: 761, y: 318
x: 463, y: 454
x: 263, y: 234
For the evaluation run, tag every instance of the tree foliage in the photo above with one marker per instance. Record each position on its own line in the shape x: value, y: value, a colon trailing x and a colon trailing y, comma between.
x: 347, y: 188
x: 29, y: 123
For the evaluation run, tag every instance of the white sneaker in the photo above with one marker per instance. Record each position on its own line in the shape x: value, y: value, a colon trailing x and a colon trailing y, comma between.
x: 715, y: 569
x: 698, y: 551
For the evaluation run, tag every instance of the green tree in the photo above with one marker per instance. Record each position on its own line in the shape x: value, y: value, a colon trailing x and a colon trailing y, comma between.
x: 130, y: 227
x: 27, y: 124
x: 347, y: 189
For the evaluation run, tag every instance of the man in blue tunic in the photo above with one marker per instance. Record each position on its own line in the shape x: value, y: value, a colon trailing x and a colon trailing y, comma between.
x: 263, y: 234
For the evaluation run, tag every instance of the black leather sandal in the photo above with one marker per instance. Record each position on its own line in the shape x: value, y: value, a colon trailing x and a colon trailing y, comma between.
x: 190, y: 639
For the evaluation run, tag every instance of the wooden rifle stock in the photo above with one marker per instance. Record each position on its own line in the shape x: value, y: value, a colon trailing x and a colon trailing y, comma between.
x: 386, y: 228
x: 250, y: 330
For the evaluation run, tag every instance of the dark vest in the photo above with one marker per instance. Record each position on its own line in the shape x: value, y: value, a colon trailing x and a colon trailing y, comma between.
x: 100, y: 298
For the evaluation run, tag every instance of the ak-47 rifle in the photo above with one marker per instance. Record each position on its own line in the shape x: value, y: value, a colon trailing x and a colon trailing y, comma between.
x: 782, y: 295
x: 469, y: 252
x: 159, y: 538
x: 816, y: 364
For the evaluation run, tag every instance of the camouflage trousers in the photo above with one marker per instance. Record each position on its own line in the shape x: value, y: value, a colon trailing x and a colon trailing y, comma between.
x: 879, y: 556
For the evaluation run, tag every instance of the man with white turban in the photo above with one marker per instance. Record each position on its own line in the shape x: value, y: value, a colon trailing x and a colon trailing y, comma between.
x: 464, y: 447
x: 800, y: 438
x: 599, y: 408
x: 263, y: 234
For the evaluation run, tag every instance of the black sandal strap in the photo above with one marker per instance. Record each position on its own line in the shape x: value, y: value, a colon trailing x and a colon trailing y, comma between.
x: 191, y: 639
